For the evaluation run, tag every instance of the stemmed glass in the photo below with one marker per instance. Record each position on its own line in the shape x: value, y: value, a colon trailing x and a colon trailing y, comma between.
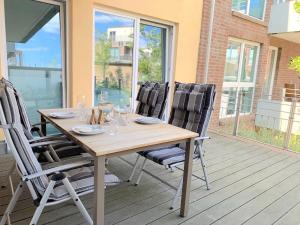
x: 81, y: 105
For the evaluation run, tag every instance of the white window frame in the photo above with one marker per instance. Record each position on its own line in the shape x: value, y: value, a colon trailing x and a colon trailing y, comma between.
x: 63, y: 39
x: 247, y: 13
x: 240, y: 84
x: 170, y: 40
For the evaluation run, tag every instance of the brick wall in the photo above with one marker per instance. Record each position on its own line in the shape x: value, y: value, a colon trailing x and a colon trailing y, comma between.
x: 283, y: 73
x: 232, y: 24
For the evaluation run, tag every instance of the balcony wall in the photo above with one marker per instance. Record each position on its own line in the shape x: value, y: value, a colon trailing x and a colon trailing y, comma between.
x: 285, y: 22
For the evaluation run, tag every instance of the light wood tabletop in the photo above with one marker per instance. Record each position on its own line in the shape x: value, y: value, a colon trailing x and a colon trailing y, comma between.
x: 130, y: 138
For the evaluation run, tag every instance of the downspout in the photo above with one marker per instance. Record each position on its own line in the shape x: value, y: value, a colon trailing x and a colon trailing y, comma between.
x: 3, y: 52
x: 209, y: 40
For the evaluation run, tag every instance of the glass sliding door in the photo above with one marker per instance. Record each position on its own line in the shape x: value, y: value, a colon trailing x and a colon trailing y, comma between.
x: 152, y: 53
x: 269, y: 76
x: 35, y: 56
x: 127, y: 52
x: 239, y: 75
x: 113, y: 57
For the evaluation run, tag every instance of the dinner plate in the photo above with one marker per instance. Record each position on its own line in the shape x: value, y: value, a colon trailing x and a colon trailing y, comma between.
x: 62, y: 115
x: 88, y: 129
x: 147, y: 120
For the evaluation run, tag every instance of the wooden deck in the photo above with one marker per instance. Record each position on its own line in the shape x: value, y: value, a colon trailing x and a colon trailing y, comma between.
x: 250, y: 184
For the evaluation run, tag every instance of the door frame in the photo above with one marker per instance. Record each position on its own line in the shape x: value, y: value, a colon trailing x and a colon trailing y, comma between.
x: 63, y: 42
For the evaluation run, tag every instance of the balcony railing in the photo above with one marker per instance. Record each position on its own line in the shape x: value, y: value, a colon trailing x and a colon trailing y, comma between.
x: 40, y: 87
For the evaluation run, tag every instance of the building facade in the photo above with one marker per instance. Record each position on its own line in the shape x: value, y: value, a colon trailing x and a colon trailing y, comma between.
x: 247, y: 54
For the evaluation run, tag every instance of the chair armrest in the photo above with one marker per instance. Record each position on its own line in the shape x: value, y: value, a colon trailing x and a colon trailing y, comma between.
x: 48, y: 137
x: 198, y: 139
x: 38, y: 124
x: 40, y: 144
x: 57, y: 169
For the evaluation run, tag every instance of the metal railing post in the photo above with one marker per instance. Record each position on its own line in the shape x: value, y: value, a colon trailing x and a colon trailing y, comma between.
x: 288, y: 133
x: 237, y: 115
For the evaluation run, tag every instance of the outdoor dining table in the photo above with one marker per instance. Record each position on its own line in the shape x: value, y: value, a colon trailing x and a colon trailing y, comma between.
x: 129, y: 139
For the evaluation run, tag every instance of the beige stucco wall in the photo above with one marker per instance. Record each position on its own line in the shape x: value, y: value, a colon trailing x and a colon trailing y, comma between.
x: 185, y: 14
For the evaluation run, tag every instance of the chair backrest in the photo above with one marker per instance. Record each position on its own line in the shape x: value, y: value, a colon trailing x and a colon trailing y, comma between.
x: 17, y: 141
x: 22, y: 110
x: 192, y: 106
x: 152, y: 99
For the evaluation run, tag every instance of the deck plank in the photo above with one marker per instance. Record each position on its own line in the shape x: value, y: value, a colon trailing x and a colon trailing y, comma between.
x: 251, y: 184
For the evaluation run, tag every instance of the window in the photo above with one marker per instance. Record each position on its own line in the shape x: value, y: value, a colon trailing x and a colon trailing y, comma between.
x: 253, y: 8
x: 239, y: 75
x: 112, y: 36
x: 127, y: 51
x: 35, y: 53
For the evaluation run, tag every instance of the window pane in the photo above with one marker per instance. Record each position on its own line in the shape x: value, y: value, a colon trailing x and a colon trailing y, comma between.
x: 232, y: 61
x: 246, y: 100
x: 228, y: 102
x: 113, y: 58
x: 240, y: 5
x: 33, y: 35
x: 257, y: 8
x: 249, y: 63
x: 152, y: 53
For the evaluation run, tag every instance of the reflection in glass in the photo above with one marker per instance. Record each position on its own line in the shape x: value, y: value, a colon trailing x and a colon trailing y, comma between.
x: 228, y: 102
x: 152, y: 53
x: 232, y: 61
x: 33, y: 35
x: 113, y: 57
x: 257, y: 8
x: 249, y: 63
x: 246, y: 100
x: 240, y: 5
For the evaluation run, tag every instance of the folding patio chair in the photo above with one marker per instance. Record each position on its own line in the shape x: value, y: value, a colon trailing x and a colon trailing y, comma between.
x: 152, y: 99
x: 52, y: 144
x: 52, y: 147
x: 192, y: 108
x: 46, y: 186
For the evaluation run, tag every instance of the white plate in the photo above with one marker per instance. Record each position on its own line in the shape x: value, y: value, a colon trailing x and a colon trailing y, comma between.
x: 147, y: 120
x: 62, y: 115
x: 88, y: 129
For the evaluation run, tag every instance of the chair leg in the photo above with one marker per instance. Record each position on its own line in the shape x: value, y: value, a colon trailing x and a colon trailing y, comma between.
x: 134, y: 168
x: 12, y: 204
x: 204, y: 169
x: 141, y: 172
x: 48, y: 156
x: 54, y: 154
x: 77, y: 201
x: 42, y: 204
x: 178, y: 192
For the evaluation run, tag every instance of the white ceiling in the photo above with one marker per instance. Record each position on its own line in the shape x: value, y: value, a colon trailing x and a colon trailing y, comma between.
x: 24, y: 18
